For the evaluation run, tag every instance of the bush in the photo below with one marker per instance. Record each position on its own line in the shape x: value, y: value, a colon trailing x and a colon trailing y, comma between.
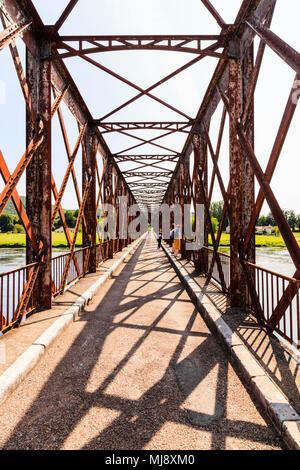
x: 6, y: 223
x: 18, y: 228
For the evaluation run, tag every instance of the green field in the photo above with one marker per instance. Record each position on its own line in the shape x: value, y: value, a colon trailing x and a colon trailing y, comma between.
x: 18, y: 240
x: 261, y: 240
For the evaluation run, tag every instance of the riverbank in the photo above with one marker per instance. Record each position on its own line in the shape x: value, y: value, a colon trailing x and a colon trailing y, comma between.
x: 262, y: 241
x: 18, y: 240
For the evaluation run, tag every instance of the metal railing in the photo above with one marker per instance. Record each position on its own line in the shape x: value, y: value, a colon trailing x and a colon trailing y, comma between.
x: 12, y: 283
x: 225, y: 261
x: 282, y: 315
x: 270, y: 288
x: 78, y: 268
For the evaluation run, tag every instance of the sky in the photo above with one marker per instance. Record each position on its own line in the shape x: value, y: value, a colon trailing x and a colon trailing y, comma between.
x: 103, y: 93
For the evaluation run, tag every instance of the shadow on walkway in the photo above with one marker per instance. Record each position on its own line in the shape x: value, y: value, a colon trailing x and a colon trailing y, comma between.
x: 143, y: 371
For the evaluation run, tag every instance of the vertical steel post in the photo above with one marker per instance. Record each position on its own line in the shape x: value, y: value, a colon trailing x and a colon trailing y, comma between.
x: 242, y: 178
x: 200, y: 164
x: 182, y: 183
x: 90, y: 210
x: 108, y: 189
x: 248, y: 184
x: 38, y: 174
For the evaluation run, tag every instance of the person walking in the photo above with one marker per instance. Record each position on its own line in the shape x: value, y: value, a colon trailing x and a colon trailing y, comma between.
x: 177, y: 241
x: 172, y: 237
x: 159, y: 239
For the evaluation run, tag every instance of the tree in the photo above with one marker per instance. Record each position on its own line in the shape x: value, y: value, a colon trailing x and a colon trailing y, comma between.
x: 57, y: 223
x: 270, y: 220
x: 298, y: 221
x: 216, y: 211
x: 7, y: 223
x: 262, y: 221
x: 292, y: 220
x: 70, y: 219
x: 215, y: 224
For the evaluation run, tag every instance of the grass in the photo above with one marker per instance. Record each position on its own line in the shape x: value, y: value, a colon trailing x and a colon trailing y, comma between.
x: 261, y: 240
x: 18, y: 240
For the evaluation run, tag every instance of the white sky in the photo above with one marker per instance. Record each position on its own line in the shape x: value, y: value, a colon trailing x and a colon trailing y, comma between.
x: 103, y: 93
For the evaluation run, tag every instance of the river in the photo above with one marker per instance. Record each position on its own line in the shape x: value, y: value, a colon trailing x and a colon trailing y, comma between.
x: 274, y: 259
x: 14, y: 258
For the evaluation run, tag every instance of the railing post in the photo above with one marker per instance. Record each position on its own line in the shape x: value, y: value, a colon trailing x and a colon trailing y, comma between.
x: 90, y: 210
x: 242, y: 178
x: 38, y: 173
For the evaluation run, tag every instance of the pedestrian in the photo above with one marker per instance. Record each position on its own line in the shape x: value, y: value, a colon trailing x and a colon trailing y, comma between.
x: 172, y: 237
x: 159, y: 239
x: 177, y: 241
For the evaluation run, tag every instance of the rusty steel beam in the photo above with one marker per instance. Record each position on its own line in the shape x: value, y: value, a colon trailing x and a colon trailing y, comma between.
x: 129, y: 83
x: 139, y: 38
x: 285, y: 230
x: 66, y: 13
x: 200, y: 192
x: 220, y: 80
x: 90, y: 209
x: 10, y: 33
x: 133, y: 158
x: 156, y: 85
x: 214, y: 13
x: 280, y: 47
x: 135, y: 126
x: 11, y: 184
x: 67, y: 175
x: 38, y: 175
x: 76, y: 230
x: 274, y: 157
x: 237, y: 290
x: 18, y: 204
x: 211, y: 230
x: 179, y: 43
x: 147, y: 174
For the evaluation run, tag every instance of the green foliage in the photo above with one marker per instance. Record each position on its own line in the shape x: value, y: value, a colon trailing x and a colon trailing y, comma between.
x: 71, y: 218
x: 18, y: 228
x: 216, y: 211
x: 10, y: 208
x: 266, y: 220
x: 7, y: 222
x: 291, y: 219
x: 215, y: 224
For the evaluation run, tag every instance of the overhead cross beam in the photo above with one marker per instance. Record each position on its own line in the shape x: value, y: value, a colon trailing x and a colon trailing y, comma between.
x: 66, y: 13
x: 178, y: 126
x: 177, y: 43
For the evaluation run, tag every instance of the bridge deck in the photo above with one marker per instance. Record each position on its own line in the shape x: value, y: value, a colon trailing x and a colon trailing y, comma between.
x: 138, y: 370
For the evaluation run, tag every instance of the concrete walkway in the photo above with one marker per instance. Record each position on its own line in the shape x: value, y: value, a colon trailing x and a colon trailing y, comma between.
x: 138, y: 370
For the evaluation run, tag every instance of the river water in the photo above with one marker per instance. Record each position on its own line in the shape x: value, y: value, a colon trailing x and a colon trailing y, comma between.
x: 14, y: 258
x: 274, y: 259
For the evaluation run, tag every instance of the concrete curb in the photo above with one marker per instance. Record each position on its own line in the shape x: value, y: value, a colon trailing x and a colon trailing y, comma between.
x: 14, y: 375
x: 284, y: 418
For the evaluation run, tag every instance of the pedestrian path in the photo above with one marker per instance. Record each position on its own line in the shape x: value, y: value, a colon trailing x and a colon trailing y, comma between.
x: 138, y: 370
